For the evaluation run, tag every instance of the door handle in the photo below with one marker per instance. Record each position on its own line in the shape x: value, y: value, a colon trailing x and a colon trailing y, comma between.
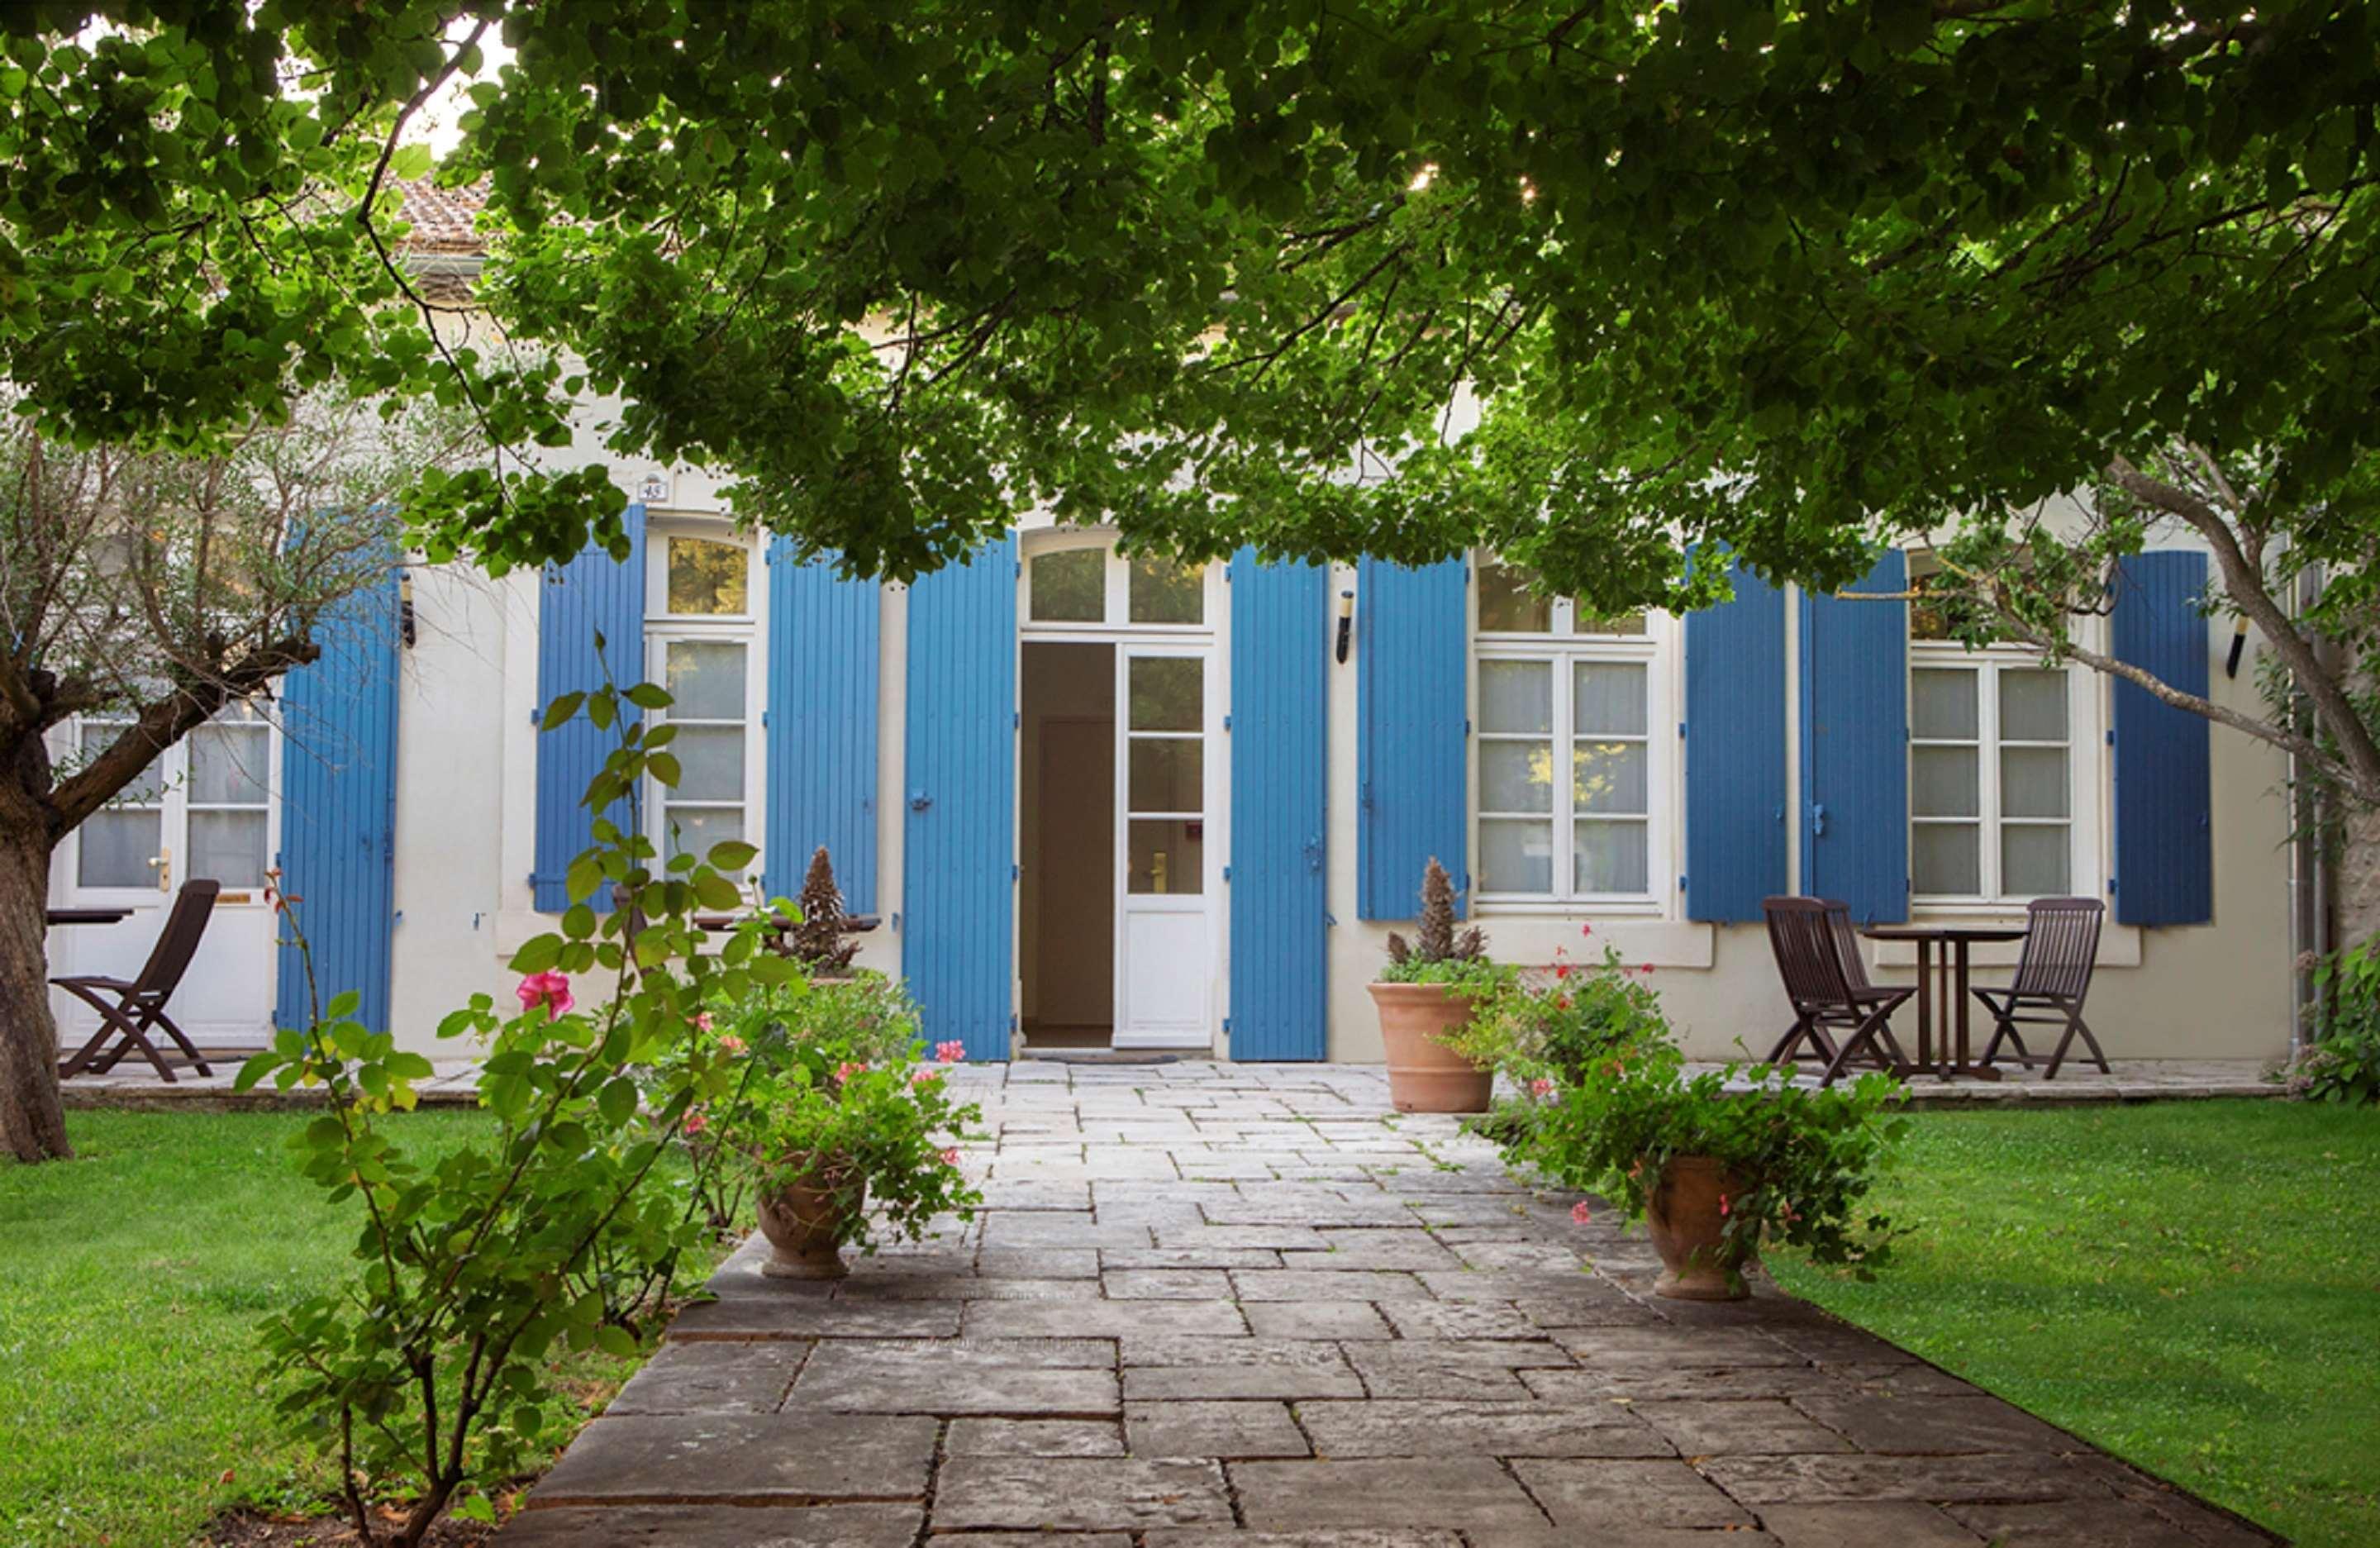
x: 1818, y: 820
x: 162, y: 863
x: 920, y: 800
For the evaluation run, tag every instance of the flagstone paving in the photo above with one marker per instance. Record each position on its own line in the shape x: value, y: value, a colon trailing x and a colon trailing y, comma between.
x: 1234, y: 1306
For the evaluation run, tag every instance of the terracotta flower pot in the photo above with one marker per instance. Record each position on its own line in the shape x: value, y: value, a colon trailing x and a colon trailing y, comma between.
x: 1684, y: 1217
x: 1426, y: 1076
x: 805, y: 1224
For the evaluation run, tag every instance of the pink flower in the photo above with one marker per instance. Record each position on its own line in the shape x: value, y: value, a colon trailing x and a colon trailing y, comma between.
x: 1579, y: 1214
x: 1723, y: 1207
x: 1586, y: 929
x: 702, y: 1020
x: 950, y: 1053
x: 1646, y: 969
x: 732, y: 1043
x: 924, y: 1077
x: 1541, y: 1088
x: 1561, y: 969
x: 950, y: 1157
x: 845, y: 1070
x: 694, y: 1123
x: 548, y: 989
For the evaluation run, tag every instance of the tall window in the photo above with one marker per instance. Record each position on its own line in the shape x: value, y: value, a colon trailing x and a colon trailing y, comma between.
x: 701, y: 646
x: 1991, y: 777
x: 1568, y: 770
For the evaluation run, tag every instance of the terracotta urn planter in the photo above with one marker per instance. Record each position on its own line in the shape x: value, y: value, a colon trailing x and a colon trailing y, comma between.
x: 1426, y: 1076
x: 805, y: 1222
x: 1681, y: 1216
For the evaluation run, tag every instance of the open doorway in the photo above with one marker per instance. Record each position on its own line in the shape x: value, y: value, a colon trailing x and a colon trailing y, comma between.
x: 1067, y: 841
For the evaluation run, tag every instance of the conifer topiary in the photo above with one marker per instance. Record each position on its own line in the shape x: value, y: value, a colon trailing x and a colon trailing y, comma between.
x: 1435, y: 938
x: 819, y: 940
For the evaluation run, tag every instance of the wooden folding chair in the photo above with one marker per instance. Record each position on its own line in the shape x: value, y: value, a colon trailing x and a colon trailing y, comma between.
x: 1817, y: 955
x: 2052, y: 979
x: 130, y: 1010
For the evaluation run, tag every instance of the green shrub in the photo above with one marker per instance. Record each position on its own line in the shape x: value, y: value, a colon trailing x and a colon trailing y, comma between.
x: 2344, y: 1062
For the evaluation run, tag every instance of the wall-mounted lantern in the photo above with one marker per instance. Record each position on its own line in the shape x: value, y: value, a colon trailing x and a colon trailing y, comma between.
x: 1346, y: 622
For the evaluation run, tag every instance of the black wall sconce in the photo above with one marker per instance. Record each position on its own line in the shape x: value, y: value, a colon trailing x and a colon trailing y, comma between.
x: 1346, y: 622
x: 2239, y: 644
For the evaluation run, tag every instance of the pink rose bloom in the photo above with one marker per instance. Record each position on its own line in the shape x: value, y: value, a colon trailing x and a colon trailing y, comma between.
x: 1579, y: 1215
x: 924, y: 1077
x: 1646, y: 969
x: 845, y: 1070
x: 702, y: 1020
x: 1561, y: 969
x: 1723, y: 1207
x: 950, y: 1157
x: 1586, y: 929
x: 548, y: 989
x: 733, y: 1043
x: 694, y: 1123
x: 950, y: 1053
x: 1541, y: 1088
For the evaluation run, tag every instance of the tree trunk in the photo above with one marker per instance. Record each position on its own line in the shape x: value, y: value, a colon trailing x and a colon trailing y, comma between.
x: 33, y: 1121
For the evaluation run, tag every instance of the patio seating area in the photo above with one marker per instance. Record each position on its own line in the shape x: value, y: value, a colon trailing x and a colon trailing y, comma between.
x: 1212, y: 1304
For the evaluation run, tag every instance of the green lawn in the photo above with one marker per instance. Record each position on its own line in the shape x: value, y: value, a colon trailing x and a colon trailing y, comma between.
x: 2193, y: 1286
x: 132, y: 1283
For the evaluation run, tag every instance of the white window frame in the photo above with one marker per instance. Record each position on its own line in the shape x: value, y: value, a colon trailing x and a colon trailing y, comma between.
x: 2086, y: 776
x: 1116, y: 607
x: 1656, y: 651
x: 746, y: 628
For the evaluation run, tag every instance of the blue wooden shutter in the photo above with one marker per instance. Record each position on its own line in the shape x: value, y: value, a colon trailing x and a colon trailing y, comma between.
x: 1735, y: 752
x: 1411, y: 722
x: 338, y: 809
x: 1855, y: 746
x: 592, y: 594
x: 1280, y: 644
x: 958, y: 861
x: 2165, y: 866
x: 822, y: 684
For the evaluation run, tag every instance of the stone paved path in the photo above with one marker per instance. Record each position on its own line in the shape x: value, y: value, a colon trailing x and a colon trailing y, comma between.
x: 1231, y: 1306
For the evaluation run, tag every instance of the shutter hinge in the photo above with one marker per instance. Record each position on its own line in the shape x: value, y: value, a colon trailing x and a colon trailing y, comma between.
x: 2111, y: 737
x: 1682, y: 730
x: 1016, y: 720
x: 1682, y: 882
x: 764, y: 720
x: 1020, y: 569
x: 1227, y: 875
x: 1227, y: 722
x: 1466, y: 728
x: 1015, y: 872
x: 1330, y: 919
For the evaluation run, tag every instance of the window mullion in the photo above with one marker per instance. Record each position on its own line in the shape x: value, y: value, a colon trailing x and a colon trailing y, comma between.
x: 1565, y: 751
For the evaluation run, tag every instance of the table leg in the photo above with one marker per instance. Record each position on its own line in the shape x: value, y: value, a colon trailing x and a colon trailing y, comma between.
x: 1924, y: 1004
x: 1965, y: 1066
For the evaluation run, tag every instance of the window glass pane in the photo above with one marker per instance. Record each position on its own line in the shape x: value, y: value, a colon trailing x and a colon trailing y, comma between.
x: 1516, y: 856
x: 116, y: 848
x: 1164, y: 591
x: 2033, y: 859
x: 1626, y: 624
x: 1071, y: 586
x: 1609, y: 776
x: 95, y: 737
x: 2033, y: 782
x: 1516, y: 696
x: 1610, y: 856
x: 710, y: 762
x: 1516, y: 776
x: 692, y: 830
x: 1945, y: 858
x: 2033, y: 705
x: 1166, y: 774
x: 1608, y: 695
x: 228, y: 847
x: 1943, y: 781
x: 706, y: 576
x: 706, y: 681
x: 1506, y: 603
x: 227, y: 764
x: 1168, y: 693
x: 1167, y: 854
x: 1942, y: 704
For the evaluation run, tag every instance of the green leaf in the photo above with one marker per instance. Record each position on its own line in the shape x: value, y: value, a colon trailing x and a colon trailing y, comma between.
x: 559, y: 712
x: 649, y: 695
x: 733, y: 855
x: 537, y: 954
x: 343, y: 1004
x: 617, y: 1101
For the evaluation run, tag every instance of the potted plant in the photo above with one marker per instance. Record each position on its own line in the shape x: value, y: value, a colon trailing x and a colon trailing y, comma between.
x: 817, y: 935
x: 1715, y: 1162
x: 1425, y: 996
x: 829, y: 1117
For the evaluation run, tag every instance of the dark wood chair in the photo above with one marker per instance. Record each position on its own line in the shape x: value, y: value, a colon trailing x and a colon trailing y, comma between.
x: 2052, y: 979
x: 1817, y: 955
x: 131, y: 1009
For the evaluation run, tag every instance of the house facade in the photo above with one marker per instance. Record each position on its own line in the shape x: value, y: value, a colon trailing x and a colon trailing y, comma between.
x: 1099, y: 800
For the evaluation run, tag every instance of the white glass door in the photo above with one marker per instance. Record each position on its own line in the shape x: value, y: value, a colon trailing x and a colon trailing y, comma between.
x: 202, y: 809
x: 1165, y: 890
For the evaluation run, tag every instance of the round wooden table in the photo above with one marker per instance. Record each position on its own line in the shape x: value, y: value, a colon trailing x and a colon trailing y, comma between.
x: 1950, y: 984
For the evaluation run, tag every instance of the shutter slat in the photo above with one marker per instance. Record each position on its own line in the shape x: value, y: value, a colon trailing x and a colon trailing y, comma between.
x: 591, y: 594
x: 1279, y: 679
x: 1412, y: 794
x: 823, y: 675
x: 2164, y: 865
x: 1735, y: 754
x: 957, y: 948
x: 1855, y: 746
x: 338, y: 810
